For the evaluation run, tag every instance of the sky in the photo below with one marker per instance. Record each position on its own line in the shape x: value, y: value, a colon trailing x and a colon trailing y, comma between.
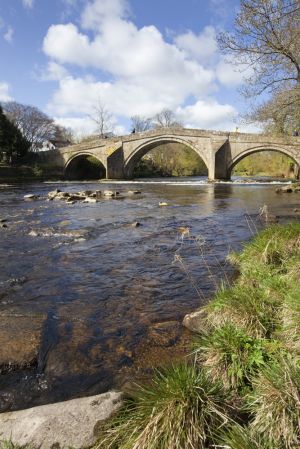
x: 134, y: 57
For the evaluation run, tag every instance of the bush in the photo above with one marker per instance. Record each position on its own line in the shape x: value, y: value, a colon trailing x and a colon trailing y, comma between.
x: 181, y: 409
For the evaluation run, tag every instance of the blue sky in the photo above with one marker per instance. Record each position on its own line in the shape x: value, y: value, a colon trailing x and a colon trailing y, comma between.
x: 133, y: 56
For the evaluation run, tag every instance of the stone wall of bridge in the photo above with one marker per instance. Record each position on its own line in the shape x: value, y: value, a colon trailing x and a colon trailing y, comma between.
x: 220, y: 151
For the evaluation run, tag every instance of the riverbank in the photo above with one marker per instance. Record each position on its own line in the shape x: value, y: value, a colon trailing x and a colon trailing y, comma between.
x: 28, y: 173
x: 241, y: 385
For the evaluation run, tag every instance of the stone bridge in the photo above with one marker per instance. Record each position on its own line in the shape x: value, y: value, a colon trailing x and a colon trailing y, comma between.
x: 220, y: 151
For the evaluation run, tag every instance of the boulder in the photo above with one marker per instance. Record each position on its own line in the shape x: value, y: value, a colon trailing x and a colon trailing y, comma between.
x: 74, y: 423
x: 90, y: 200
x: 194, y: 321
x: 110, y: 193
x: 31, y: 196
x: 62, y: 196
x: 52, y: 195
x: 136, y: 224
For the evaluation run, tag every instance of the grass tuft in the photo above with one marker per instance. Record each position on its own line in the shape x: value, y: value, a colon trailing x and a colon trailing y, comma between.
x: 181, y: 409
x: 253, y: 309
x: 275, y: 403
x: 238, y: 437
x: 230, y: 355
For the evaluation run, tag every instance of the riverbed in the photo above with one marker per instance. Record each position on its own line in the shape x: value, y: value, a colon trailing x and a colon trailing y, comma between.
x: 100, y: 299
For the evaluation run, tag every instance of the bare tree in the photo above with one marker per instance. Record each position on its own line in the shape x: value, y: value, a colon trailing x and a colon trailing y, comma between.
x: 103, y: 119
x: 280, y: 114
x: 63, y: 135
x: 166, y: 119
x: 266, y: 37
x: 34, y: 124
x: 140, y: 123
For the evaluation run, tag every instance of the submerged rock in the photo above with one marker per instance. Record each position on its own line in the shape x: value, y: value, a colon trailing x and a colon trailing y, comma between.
x: 74, y: 423
x: 20, y: 339
x: 165, y: 334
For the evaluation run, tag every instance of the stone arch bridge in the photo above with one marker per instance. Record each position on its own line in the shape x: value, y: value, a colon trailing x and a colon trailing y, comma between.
x: 220, y: 151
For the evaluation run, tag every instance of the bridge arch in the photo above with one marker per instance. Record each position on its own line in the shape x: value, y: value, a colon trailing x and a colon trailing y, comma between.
x: 247, y: 152
x: 84, y: 165
x: 151, y: 144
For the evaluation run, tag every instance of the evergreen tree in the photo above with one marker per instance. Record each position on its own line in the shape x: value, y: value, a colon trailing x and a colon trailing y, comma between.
x: 13, y: 146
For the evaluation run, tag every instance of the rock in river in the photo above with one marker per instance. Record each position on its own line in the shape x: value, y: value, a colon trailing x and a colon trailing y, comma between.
x: 194, y: 321
x: 20, y: 338
x: 74, y: 423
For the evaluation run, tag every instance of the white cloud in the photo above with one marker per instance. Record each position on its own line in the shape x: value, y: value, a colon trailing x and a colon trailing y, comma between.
x: 97, y: 12
x: 143, y: 72
x: 207, y: 114
x: 230, y: 74
x: 8, y: 36
x: 85, y: 126
x: 202, y: 47
x: 52, y: 72
x: 4, y: 92
x: 28, y: 3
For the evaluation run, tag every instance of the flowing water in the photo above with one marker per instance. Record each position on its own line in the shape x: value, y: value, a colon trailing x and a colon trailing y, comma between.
x: 106, y: 298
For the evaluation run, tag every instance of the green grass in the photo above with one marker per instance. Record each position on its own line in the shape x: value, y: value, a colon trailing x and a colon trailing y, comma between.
x: 181, y: 409
x: 230, y: 355
x: 8, y: 444
x: 253, y: 309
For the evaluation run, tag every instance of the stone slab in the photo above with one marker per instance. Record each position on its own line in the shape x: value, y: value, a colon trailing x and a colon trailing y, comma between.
x: 67, y: 424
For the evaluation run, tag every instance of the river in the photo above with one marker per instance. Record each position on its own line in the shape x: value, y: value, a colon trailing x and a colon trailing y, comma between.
x: 102, y: 298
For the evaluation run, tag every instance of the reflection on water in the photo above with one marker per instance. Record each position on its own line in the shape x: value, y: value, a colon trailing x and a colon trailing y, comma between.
x: 99, y: 291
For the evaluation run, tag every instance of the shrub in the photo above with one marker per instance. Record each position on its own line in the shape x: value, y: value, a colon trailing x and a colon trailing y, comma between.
x: 179, y: 410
